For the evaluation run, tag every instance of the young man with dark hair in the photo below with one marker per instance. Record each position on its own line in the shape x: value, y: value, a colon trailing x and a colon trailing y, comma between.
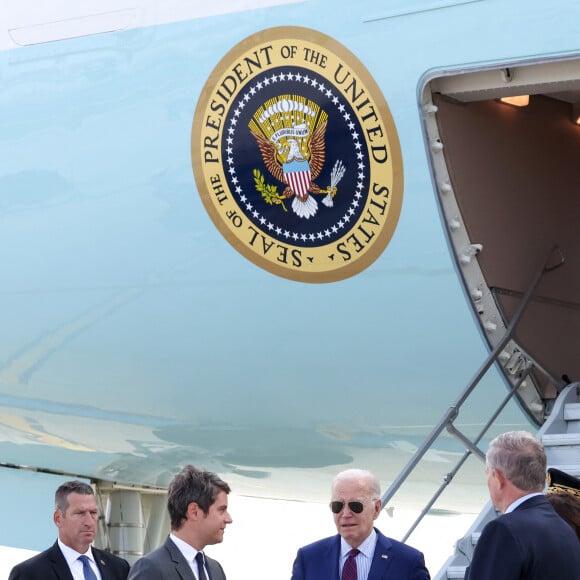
x: 197, y: 502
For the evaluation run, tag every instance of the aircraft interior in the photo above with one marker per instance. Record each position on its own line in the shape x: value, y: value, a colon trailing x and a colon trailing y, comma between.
x: 507, y: 177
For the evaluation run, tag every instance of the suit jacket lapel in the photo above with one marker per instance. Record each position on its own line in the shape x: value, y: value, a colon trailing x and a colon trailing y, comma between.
x: 213, y: 570
x: 332, y: 555
x: 382, y: 558
x: 181, y: 565
x: 59, y: 565
x: 101, y: 564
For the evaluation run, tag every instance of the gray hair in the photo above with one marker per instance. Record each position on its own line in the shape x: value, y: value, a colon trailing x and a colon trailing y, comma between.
x: 68, y: 487
x: 521, y: 458
x: 362, y: 475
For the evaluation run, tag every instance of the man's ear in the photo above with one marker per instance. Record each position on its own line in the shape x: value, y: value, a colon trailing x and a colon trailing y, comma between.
x: 193, y: 511
x: 378, y: 508
x: 501, y: 478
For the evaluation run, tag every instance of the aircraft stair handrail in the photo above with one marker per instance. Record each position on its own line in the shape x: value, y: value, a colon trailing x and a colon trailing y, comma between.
x: 560, y: 435
x: 471, y: 448
x: 446, y: 422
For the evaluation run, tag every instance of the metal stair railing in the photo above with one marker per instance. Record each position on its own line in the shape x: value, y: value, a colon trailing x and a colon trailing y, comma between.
x: 553, y: 433
x: 446, y: 422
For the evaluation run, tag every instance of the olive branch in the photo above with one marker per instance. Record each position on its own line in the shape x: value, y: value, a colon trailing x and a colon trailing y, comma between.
x: 268, y: 191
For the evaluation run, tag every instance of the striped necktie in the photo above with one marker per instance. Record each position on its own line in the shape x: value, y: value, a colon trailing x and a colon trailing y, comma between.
x: 200, y: 569
x: 349, y: 570
x: 87, y: 570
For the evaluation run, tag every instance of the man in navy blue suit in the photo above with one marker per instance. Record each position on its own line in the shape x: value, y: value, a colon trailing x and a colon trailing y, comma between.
x: 359, y: 551
x: 529, y: 540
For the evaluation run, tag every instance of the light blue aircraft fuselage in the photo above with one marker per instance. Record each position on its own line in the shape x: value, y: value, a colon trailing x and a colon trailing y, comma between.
x: 137, y: 332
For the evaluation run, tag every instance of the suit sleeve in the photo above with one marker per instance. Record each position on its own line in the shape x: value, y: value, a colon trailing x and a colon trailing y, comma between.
x: 496, y: 555
x: 419, y: 570
x: 298, y: 567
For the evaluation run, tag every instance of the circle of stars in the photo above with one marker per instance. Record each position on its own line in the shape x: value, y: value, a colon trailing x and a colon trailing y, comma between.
x: 349, y: 214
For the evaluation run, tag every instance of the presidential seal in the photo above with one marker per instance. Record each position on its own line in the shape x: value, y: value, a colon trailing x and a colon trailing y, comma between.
x: 296, y: 156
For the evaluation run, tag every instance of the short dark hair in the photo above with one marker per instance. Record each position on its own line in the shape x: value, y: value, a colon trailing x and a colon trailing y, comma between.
x: 192, y: 485
x: 68, y: 487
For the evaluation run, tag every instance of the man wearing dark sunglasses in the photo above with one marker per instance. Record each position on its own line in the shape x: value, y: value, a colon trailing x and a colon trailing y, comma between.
x: 359, y: 551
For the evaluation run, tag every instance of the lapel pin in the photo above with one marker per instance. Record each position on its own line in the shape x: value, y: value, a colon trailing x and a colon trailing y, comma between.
x: 384, y: 556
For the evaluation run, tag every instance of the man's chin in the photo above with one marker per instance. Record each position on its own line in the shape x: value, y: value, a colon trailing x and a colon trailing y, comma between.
x: 348, y: 530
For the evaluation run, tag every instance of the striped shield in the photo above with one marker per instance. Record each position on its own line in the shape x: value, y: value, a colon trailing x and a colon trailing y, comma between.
x: 297, y: 175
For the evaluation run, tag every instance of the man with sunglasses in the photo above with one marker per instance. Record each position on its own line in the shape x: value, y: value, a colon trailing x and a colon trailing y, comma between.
x: 359, y: 551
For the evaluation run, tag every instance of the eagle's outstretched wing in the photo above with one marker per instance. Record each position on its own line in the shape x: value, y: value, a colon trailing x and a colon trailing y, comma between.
x: 317, y: 150
x: 268, y: 152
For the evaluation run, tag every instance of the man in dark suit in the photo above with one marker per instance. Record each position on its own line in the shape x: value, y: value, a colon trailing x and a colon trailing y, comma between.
x: 197, y: 502
x: 359, y: 550
x: 76, y: 516
x: 529, y: 540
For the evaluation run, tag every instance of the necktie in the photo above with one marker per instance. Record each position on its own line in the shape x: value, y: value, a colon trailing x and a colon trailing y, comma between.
x: 200, y: 569
x: 87, y: 570
x: 349, y: 570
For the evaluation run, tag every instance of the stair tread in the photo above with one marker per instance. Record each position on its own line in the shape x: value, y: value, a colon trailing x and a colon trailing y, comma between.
x: 456, y: 571
x: 561, y: 438
x: 572, y: 412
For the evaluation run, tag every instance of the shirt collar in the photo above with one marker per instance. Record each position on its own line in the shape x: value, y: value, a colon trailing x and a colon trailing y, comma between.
x: 71, y: 555
x: 367, y: 547
x: 188, y: 551
x: 520, y: 501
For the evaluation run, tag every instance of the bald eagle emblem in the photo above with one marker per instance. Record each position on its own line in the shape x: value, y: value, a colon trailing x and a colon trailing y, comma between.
x: 290, y: 133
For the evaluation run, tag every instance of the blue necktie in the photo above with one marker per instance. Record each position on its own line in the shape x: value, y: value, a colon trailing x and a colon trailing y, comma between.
x: 87, y: 570
x: 200, y: 569
x: 349, y: 570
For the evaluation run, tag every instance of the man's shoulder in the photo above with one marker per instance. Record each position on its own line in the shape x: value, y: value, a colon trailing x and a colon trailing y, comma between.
x: 384, y: 542
x: 110, y: 559
x: 38, y: 559
x: 160, y: 553
x: 39, y: 566
x: 535, y: 507
x: 151, y: 565
x: 532, y: 517
x: 165, y: 554
x: 323, y: 544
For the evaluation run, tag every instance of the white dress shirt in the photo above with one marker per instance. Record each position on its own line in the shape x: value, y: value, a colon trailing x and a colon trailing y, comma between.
x: 189, y: 553
x: 76, y: 566
x: 363, y: 560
